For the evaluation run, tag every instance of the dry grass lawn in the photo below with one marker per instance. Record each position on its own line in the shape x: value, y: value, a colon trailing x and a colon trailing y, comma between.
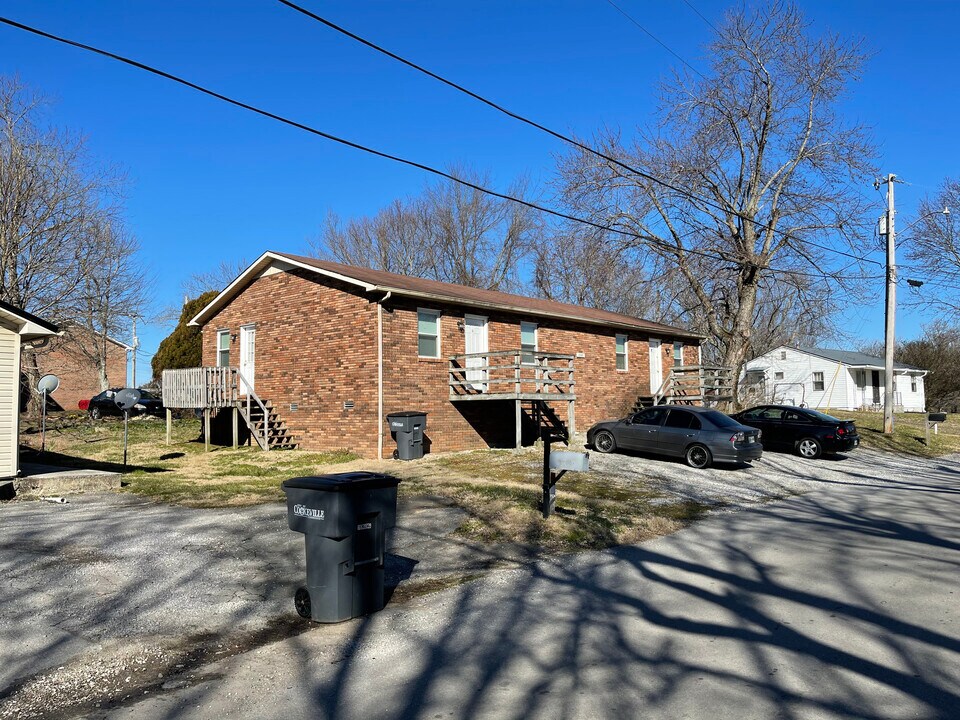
x: 908, y: 433
x: 499, y: 489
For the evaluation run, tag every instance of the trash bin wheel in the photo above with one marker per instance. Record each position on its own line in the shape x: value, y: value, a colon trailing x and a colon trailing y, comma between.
x: 301, y: 601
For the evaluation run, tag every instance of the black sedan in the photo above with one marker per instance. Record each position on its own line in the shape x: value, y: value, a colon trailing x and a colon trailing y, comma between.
x: 807, y: 432
x: 696, y: 434
x: 104, y: 404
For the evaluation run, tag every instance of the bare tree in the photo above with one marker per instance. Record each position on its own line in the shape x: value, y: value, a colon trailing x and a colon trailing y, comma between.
x: 216, y: 279
x: 450, y: 233
x: 60, y: 245
x: 934, y: 249
x: 592, y: 271
x: 761, y: 171
x: 113, y: 292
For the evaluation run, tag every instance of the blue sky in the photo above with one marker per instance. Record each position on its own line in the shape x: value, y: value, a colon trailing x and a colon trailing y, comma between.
x: 210, y: 182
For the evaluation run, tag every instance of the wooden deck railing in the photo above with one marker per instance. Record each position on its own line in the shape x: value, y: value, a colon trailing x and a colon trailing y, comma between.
x: 213, y: 388
x: 511, y: 373
x: 703, y: 383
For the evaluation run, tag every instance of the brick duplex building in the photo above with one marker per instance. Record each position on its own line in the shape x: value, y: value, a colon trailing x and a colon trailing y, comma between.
x: 334, y: 349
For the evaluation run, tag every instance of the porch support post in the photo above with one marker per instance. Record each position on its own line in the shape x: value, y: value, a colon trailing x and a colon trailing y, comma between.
x: 519, y: 424
x: 169, y: 424
x: 236, y: 428
x: 571, y: 417
x: 206, y: 429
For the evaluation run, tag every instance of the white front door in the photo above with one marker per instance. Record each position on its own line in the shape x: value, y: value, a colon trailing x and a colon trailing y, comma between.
x: 248, y: 352
x: 656, y: 366
x: 475, y: 341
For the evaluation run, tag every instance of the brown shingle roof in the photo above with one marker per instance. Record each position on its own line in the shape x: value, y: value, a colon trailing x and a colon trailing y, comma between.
x: 470, y: 296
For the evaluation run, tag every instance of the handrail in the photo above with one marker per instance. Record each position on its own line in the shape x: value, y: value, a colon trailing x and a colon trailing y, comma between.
x: 510, y: 374
x: 265, y: 443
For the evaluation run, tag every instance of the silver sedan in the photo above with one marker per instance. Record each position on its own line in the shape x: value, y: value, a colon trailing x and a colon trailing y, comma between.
x: 699, y: 435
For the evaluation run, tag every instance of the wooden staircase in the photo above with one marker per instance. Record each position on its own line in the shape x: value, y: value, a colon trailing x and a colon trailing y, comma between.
x: 545, y: 417
x: 691, y: 385
x: 278, y: 436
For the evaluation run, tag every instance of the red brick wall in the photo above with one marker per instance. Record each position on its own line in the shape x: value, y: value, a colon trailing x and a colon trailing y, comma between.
x: 79, y: 379
x: 317, y: 347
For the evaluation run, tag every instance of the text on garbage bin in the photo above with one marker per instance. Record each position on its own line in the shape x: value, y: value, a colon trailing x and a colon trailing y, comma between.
x: 304, y: 511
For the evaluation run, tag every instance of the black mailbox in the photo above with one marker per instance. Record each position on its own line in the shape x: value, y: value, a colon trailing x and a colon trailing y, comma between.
x: 936, y: 417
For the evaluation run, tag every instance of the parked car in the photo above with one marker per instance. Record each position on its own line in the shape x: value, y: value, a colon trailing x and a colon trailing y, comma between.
x: 807, y: 432
x: 698, y: 435
x: 103, y: 404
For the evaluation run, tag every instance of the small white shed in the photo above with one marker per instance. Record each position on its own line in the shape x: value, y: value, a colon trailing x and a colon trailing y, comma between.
x: 16, y: 328
x: 821, y: 378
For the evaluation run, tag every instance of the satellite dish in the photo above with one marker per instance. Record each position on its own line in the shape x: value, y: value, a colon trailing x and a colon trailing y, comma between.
x: 48, y: 383
x: 127, y: 398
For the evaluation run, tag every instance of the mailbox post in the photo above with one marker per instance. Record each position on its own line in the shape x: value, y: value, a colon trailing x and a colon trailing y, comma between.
x: 932, y: 419
x: 555, y: 465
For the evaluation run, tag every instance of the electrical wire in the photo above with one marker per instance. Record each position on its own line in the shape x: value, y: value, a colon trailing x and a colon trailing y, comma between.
x: 652, y: 37
x: 700, y: 14
x: 675, y: 249
x: 560, y: 136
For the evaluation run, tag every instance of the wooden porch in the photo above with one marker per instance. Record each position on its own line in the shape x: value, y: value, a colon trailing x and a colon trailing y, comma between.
x: 692, y: 384
x: 523, y: 377
x: 216, y: 388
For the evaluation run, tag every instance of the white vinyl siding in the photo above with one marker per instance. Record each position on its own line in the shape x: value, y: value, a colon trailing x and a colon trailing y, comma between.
x: 9, y: 402
x: 798, y: 374
x: 428, y: 333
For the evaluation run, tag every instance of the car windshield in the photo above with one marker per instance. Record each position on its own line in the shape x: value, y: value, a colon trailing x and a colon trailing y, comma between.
x: 823, y: 416
x: 147, y: 395
x: 719, y: 419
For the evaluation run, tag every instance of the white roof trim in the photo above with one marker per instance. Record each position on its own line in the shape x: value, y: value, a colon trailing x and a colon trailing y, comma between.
x: 268, y: 258
x: 258, y: 266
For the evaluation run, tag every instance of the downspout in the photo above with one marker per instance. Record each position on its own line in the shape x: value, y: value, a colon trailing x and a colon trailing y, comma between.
x: 380, y: 303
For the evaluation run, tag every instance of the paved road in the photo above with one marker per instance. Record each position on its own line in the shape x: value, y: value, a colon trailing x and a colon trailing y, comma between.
x: 842, y: 603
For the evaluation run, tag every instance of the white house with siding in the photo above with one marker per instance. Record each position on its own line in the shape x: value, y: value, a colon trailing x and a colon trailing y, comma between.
x: 16, y: 328
x: 821, y: 379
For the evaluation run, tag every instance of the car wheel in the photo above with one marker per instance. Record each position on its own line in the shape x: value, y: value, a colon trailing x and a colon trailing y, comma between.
x: 698, y: 456
x: 95, y: 413
x: 809, y: 448
x: 604, y: 442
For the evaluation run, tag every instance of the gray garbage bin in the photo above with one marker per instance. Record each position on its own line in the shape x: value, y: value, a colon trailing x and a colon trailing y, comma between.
x: 344, y: 518
x: 408, y: 428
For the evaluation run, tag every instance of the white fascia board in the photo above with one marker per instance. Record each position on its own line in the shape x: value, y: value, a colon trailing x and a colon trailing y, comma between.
x: 258, y: 266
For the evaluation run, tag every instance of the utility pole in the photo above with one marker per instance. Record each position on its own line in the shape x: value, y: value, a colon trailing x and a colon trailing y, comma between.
x: 891, y: 315
x: 135, y: 343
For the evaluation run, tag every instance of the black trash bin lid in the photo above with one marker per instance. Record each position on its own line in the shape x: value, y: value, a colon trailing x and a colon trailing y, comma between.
x: 406, y: 413
x: 342, y: 482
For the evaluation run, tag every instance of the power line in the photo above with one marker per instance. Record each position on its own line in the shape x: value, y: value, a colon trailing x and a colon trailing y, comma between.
x: 700, y: 15
x: 558, y: 135
x: 651, y: 36
x: 675, y: 249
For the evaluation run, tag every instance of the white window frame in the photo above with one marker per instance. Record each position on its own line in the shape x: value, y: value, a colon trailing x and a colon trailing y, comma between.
x: 822, y: 382
x: 536, y: 342
x: 677, y: 346
x: 777, y: 376
x: 220, y: 334
x: 436, y: 314
x: 626, y: 352
x: 783, y: 354
x: 913, y: 383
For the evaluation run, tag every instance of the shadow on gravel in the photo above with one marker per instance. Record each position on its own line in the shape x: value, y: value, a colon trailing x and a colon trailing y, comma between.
x: 630, y: 631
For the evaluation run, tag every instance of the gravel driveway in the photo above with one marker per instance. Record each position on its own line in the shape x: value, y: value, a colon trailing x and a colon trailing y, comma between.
x: 108, y: 575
